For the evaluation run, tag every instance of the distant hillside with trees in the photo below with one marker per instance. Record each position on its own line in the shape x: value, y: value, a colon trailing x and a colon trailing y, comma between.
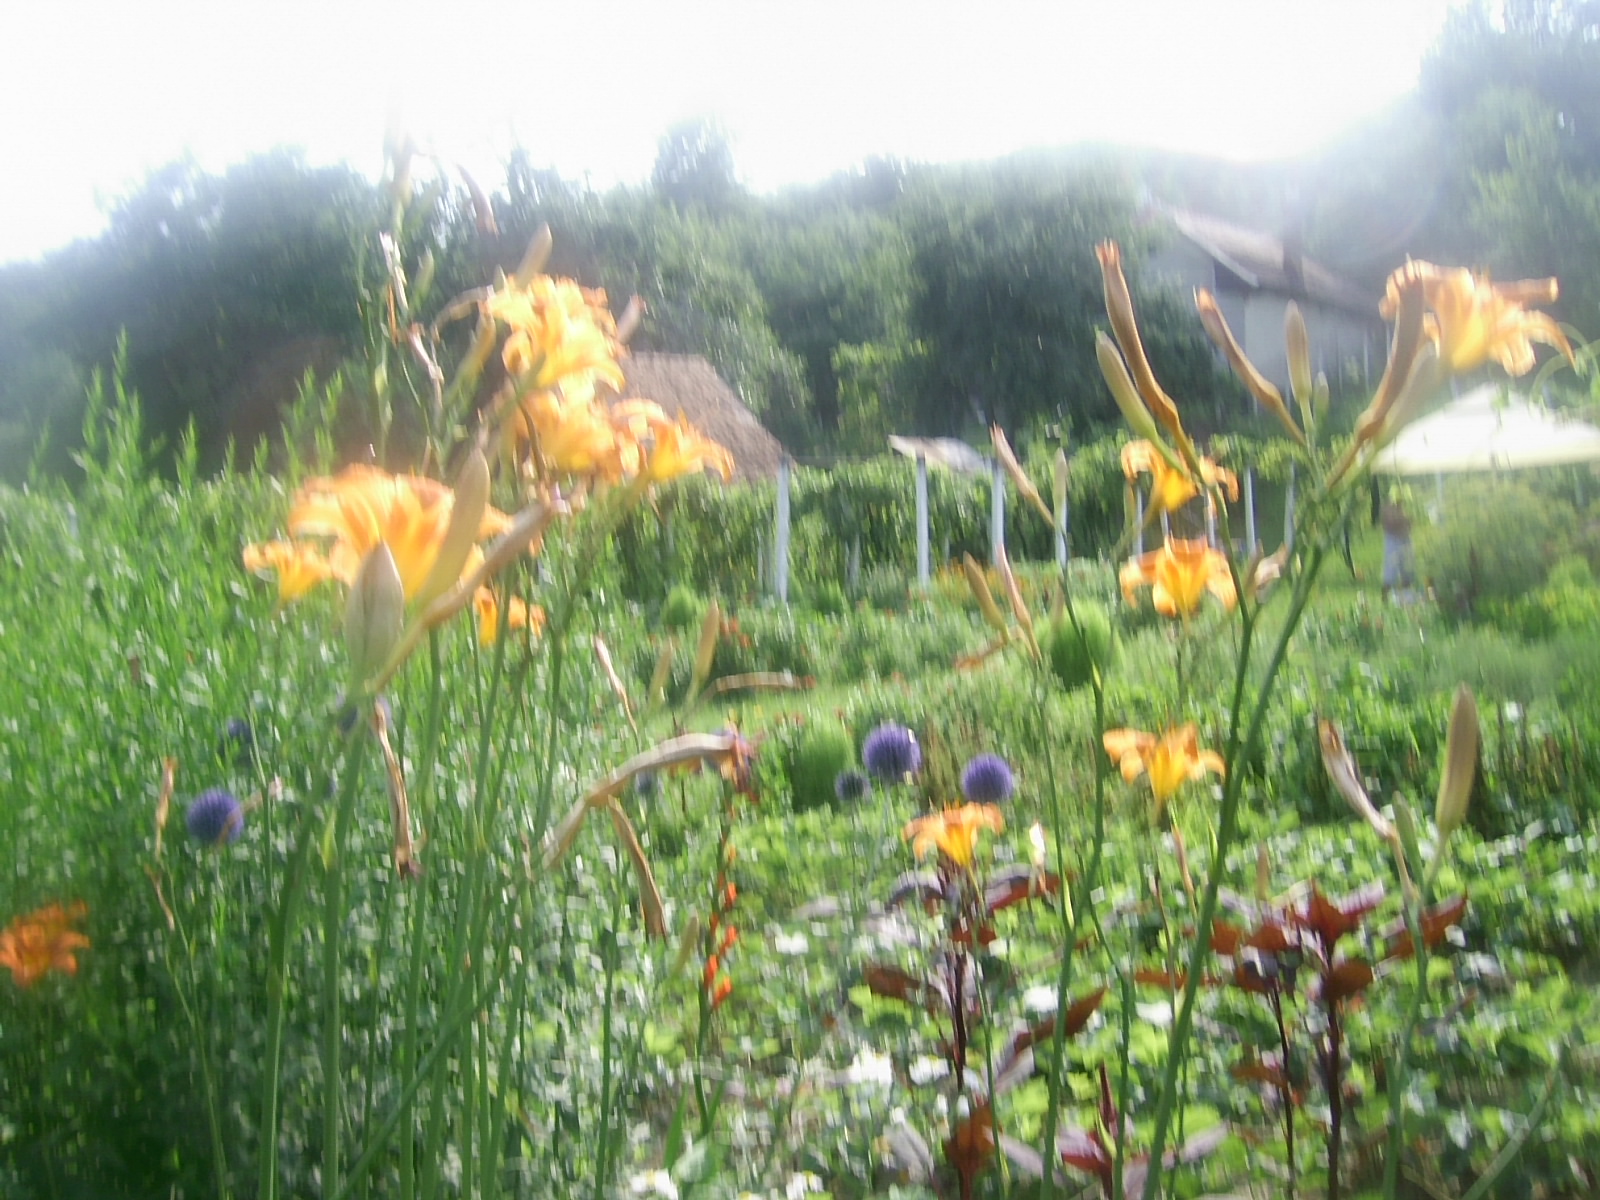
x: 895, y: 297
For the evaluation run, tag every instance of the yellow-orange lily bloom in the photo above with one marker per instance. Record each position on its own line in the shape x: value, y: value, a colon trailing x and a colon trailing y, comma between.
x: 299, y: 567
x: 362, y: 506
x: 518, y: 615
x: 558, y: 330
x: 43, y: 941
x: 1473, y: 320
x: 954, y: 831
x: 1172, y: 487
x: 1170, y: 760
x: 679, y: 449
x: 1179, y: 575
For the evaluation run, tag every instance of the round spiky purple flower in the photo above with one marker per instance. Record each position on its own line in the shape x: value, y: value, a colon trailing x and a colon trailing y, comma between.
x: 987, y: 779
x: 891, y: 752
x: 237, y: 741
x: 215, y: 817
x: 850, y: 786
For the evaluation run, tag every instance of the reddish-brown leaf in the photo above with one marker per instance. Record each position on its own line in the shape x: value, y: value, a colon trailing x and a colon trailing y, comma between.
x: 971, y: 1146
x: 1436, y: 920
x: 1078, y: 1014
x: 1345, y: 979
x: 1331, y: 919
x: 1257, y: 1071
x: 892, y: 983
x: 1226, y: 938
x: 1154, y: 976
x: 1084, y: 1150
x: 1013, y: 885
x: 1274, y: 936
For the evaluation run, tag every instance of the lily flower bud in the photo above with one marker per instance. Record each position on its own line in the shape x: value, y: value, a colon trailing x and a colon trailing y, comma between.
x: 706, y: 652
x: 982, y: 594
x: 1265, y: 392
x: 1297, y: 343
x: 1119, y: 307
x: 375, y: 613
x: 1460, y: 765
x: 534, y: 257
x: 466, y: 516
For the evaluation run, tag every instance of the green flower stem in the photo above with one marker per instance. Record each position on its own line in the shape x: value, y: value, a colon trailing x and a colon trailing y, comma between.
x: 612, y: 952
x: 420, y: 946
x: 462, y: 953
x: 202, y: 1038
x: 1513, y: 1147
x: 1071, y: 908
x: 423, y: 776
x: 459, y: 1008
x: 285, y: 926
x: 380, y: 955
x: 1243, y: 745
x: 1401, y: 1070
x: 333, y: 918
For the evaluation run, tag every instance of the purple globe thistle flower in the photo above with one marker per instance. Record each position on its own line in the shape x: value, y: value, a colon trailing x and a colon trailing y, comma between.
x: 215, y: 817
x: 851, y: 786
x: 237, y: 740
x: 988, y: 779
x: 349, y: 715
x: 891, y: 753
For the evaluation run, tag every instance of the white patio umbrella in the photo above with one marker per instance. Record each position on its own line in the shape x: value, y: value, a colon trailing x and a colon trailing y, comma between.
x: 1489, y: 429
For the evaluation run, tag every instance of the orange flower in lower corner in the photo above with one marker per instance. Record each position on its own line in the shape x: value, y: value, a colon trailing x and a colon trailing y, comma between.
x: 1171, y: 760
x: 954, y: 831
x: 1179, y: 575
x: 43, y: 941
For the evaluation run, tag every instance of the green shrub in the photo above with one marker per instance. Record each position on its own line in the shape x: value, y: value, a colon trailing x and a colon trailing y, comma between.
x: 1074, y: 651
x: 827, y: 599
x: 885, y: 588
x: 682, y: 609
x: 1494, y: 546
x: 823, y: 750
x: 1568, y: 602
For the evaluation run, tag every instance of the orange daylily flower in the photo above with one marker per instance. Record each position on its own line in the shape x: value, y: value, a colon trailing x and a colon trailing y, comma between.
x: 954, y: 831
x: 299, y: 567
x: 1179, y: 575
x: 574, y: 433
x: 1171, y: 760
x: 679, y: 449
x: 1473, y: 320
x: 43, y: 941
x: 1172, y: 487
x: 362, y: 506
x: 519, y: 614
x: 559, y: 331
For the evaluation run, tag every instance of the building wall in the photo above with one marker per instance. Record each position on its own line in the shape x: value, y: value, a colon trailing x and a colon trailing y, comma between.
x: 1256, y: 317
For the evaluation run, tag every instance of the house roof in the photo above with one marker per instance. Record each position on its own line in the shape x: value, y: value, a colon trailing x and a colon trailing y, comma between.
x: 689, y: 384
x: 1265, y: 262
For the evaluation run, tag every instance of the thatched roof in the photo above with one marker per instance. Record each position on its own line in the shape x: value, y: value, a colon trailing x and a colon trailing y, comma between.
x: 688, y: 384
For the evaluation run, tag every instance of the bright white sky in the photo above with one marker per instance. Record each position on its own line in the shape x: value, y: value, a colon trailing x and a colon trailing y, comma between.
x: 94, y: 96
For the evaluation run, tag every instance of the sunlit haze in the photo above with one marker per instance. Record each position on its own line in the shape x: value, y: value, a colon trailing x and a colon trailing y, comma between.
x: 93, y: 97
